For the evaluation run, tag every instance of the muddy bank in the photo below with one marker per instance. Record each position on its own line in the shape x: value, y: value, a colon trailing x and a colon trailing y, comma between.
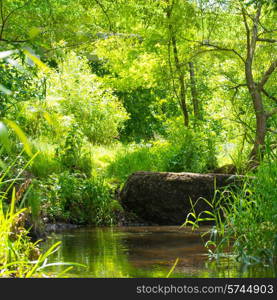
x: 163, y: 198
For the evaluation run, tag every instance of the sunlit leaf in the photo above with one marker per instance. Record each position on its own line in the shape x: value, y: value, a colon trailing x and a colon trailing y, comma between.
x: 21, y: 135
x: 4, y: 137
x: 37, y: 61
x: 3, y: 166
x: 5, y: 90
x: 48, y: 118
x: 12, y: 206
x: 33, y: 32
x: 14, y: 63
x: 7, y: 53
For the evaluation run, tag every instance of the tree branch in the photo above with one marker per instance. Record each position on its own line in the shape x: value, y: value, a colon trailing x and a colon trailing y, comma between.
x: 105, y: 13
x: 5, y: 19
x: 267, y: 74
x: 1, y: 10
x: 268, y: 95
x: 216, y: 48
x: 171, y: 71
x: 266, y: 30
x: 238, y: 86
x: 17, y: 8
x: 224, y: 49
x: 2, y: 19
x: 253, y: 38
x: 267, y: 40
x: 246, y: 27
x: 13, y: 41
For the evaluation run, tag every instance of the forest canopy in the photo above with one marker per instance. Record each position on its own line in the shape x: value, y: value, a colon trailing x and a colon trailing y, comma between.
x: 210, y: 63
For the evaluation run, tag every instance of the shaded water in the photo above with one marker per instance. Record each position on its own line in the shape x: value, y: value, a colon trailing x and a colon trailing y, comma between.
x: 141, y: 252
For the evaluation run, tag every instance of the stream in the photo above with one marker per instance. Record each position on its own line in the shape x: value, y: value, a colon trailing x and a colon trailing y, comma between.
x: 113, y: 252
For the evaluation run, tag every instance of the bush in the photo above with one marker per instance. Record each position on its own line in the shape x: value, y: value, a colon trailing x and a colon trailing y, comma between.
x: 137, y: 157
x: 45, y: 162
x: 253, y: 218
x: 18, y: 84
x: 184, y: 151
x: 192, y: 151
x: 19, y: 255
x: 72, y: 153
x: 74, y: 198
x: 74, y: 97
x: 76, y: 93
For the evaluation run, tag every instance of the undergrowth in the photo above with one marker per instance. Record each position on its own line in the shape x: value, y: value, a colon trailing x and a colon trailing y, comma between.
x: 245, y: 219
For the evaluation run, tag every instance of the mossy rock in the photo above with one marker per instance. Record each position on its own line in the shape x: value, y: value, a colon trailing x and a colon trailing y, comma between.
x: 165, y: 198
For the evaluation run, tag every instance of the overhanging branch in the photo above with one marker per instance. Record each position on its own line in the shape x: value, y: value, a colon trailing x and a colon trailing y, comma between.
x: 267, y: 40
x: 268, y: 95
x: 208, y: 44
x: 215, y: 48
x: 267, y: 74
x: 13, y: 41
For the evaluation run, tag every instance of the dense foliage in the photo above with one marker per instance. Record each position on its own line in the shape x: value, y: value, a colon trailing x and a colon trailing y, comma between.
x: 92, y: 91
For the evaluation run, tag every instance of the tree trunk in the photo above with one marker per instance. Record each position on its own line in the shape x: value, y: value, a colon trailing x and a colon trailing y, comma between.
x: 181, y: 77
x: 257, y: 152
x: 194, y: 96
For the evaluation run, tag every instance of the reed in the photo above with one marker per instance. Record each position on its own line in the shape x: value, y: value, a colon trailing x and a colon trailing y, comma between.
x: 245, y: 220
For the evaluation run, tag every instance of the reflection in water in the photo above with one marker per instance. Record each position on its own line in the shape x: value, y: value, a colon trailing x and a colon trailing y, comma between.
x: 141, y: 252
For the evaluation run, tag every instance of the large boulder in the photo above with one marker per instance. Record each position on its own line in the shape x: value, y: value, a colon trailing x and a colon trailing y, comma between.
x: 163, y: 198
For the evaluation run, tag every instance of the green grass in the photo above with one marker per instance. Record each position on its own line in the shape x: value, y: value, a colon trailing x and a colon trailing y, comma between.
x: 19, y: 256
x: 137, y: 157
x: 245, y: 219
x: 45, y: 163
x: 160, y: 156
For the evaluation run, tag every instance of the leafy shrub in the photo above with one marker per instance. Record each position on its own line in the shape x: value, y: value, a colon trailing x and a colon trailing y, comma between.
x: 74, y: 97
x: 192, y: 151
x: 71, y: 153
x: 45, y: 162
x: 74, y: 198
x: 18, y: 83
x: 76, y: 93
x: 183, y: 151
x: 19, y: 256
x: 145, y: 108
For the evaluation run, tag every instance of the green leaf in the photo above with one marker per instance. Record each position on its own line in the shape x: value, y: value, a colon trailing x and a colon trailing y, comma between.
x: 173, y: 267
x: 37, y: 61
x: 5, y: 90
x: 33, y: 32
x: 4, y: 137
x: 12, y: 206
x: 21, y: 135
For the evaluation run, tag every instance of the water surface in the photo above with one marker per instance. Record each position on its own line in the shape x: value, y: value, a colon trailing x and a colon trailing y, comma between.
x: 142, y: 252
